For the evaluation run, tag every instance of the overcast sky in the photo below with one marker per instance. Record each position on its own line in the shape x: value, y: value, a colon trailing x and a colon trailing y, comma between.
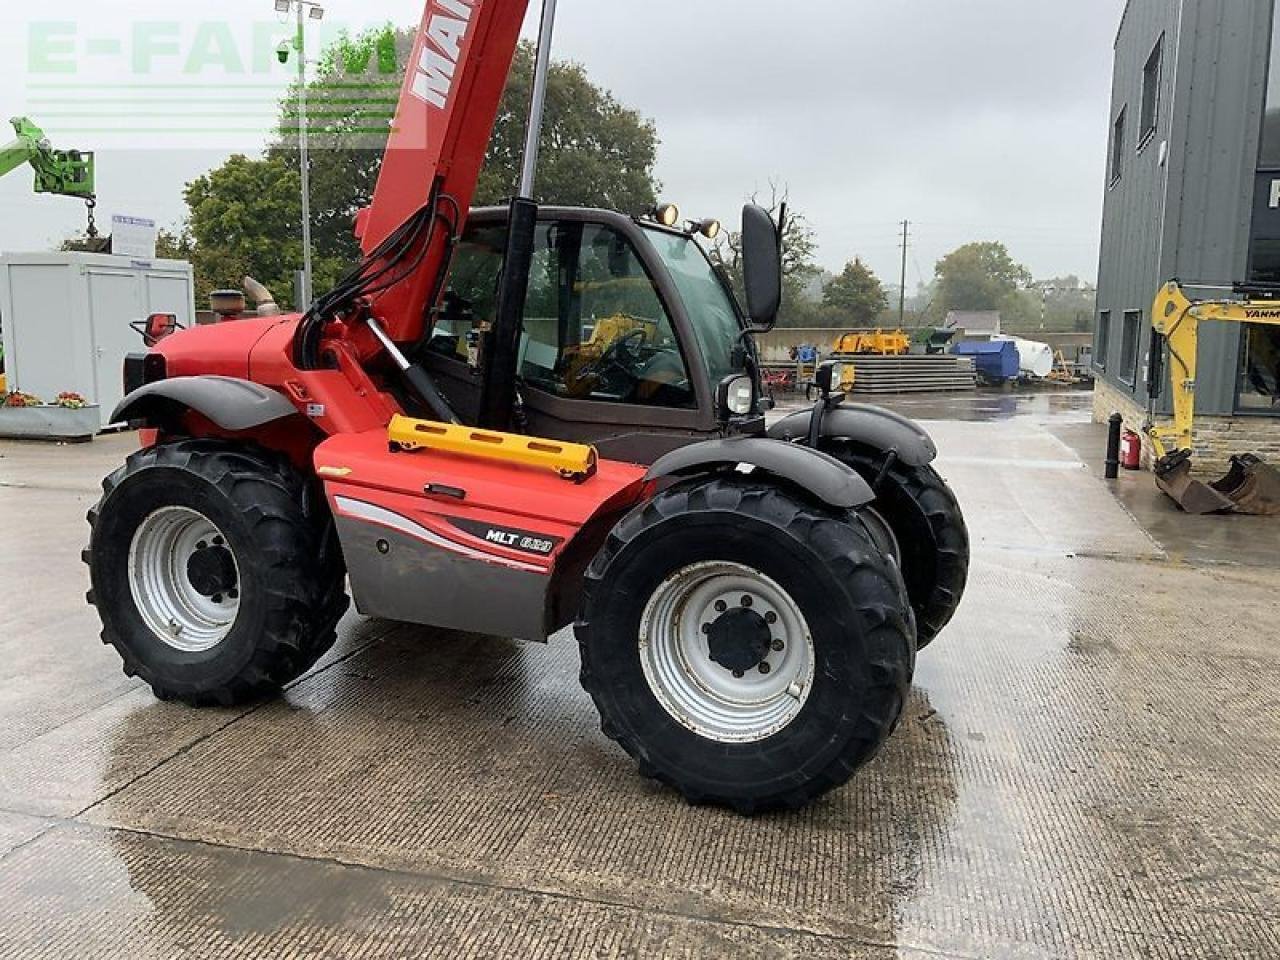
x: 976, y: 120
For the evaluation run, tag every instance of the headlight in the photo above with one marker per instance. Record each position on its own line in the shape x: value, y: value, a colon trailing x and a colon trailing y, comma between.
x: 737, y: 395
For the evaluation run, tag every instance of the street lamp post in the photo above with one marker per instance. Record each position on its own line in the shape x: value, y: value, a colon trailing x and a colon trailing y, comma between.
x: 305, y: 9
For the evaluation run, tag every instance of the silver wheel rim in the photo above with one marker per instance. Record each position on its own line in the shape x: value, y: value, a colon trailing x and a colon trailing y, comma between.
x: 700, y: 693
x: 183, y: 615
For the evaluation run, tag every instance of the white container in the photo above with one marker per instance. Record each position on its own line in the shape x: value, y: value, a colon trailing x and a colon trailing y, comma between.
x: 66, y: 319
x: 1035, y: 359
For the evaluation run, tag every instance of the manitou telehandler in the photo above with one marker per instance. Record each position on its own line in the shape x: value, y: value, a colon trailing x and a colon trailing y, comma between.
x: 520, y: 419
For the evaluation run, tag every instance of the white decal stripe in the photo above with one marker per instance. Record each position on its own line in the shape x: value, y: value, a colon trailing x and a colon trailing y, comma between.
x: 360, y: 510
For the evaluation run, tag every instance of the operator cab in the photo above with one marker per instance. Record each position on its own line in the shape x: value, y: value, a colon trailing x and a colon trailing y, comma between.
x: 628, y: 331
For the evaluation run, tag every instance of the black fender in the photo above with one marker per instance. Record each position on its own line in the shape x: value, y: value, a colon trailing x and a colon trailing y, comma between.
x: 866, y: 425
x: 822, y: 475
x: 231, y: 403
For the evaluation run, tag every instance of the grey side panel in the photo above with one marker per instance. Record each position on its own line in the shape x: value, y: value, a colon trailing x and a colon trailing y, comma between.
x: 230, y: 403
x: 824, y: 476
x: 416, y: 582
x: 864, y: 423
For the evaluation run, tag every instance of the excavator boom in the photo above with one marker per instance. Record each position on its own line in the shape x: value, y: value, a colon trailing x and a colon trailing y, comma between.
x: 1252, y: 485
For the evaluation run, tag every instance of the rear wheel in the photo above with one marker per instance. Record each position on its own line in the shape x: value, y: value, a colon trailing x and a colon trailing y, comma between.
x: 916, y: 517
x: 215, y: 571
x: 743, y: 645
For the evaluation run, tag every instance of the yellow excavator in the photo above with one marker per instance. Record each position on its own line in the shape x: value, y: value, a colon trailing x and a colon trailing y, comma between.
x: 1252, y: 485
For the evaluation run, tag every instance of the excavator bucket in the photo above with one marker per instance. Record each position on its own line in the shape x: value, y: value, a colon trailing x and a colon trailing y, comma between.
x: 1251, y: 486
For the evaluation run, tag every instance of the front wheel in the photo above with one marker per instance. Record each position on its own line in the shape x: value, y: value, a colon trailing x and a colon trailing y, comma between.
x: 917, y: 517
x: 743, y: 645
x: 214, y: 571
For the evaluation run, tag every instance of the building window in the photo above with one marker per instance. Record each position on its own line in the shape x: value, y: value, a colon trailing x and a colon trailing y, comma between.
x: 1132, y: 336
x: 1260, y: 370
x: 1117, y: 147
x: 1102, y: 340
x: 1151, y: 94
x: 1269, y: 156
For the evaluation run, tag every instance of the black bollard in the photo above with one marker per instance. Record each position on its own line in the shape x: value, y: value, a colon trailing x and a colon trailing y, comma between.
x: 1113, y: 446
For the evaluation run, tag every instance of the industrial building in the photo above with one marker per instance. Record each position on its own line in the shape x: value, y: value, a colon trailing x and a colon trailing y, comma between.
x: 1193, y: 192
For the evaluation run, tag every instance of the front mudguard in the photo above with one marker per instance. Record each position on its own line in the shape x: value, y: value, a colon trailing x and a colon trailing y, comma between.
x: 867, y: 426
x: 231, y: 403
x: 820, y: 474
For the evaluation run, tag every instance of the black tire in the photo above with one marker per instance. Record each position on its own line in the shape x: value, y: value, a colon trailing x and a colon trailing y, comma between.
x: 850, y: 595
x: 291, y: 579
x: 932, y: 539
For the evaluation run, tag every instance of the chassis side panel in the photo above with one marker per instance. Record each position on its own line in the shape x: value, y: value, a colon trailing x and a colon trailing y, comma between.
x: 462, y: 542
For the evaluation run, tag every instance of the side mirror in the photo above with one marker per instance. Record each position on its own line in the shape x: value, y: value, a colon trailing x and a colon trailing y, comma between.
x: 761, y: 266
x: 156, y: 327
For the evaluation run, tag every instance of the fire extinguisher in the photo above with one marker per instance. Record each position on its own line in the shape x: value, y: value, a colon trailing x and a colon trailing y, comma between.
x: 1130, y: 450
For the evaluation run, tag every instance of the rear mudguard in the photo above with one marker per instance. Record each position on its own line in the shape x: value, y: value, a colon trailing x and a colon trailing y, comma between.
x: 865, y: 425
x: 230, y: 403
x: 822, y: 475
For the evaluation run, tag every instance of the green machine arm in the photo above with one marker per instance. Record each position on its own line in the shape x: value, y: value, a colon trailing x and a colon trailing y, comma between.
x: 68, y: 173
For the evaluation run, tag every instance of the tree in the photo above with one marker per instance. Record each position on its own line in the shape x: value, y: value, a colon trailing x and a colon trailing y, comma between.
x: 980, y: 276
x: 594, y: 151
x: 245, y: 218
x: 798, y: 268
x: 856, y: 295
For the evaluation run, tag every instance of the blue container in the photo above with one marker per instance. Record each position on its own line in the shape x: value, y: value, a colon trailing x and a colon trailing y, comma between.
x: 995, y: 360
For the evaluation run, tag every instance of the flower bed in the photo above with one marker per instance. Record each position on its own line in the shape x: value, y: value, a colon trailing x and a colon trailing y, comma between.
x: 69, y: 417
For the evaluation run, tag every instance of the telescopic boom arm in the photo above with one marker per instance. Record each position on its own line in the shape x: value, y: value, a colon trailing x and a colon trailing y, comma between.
x: 67, y: 173
x: 456, y: 74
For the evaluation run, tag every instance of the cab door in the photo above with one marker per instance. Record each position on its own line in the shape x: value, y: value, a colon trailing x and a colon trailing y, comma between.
x: 601, y: 357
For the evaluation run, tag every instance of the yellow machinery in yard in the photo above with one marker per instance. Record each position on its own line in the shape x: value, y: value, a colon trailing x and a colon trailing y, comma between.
x: 1252, y: 485
x: 866, y: 343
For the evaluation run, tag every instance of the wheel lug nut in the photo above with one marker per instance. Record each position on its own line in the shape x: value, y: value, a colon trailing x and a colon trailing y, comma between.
x: 218, y: 540
x: 746, y: 601
x: 235, y: 595
x: 770, y: 617
x: 737, y: 674
x: 217, y: 598
x: 201, y: 545
x: 778, y: 645
x: 764, y: 666
x: 721, y: 606
x: 706, y: 628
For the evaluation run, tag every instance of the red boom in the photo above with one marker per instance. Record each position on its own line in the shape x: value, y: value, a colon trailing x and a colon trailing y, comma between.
x: 448, y: 104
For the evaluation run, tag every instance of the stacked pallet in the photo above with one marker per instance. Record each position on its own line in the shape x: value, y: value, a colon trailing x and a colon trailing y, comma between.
x: 912, y: 373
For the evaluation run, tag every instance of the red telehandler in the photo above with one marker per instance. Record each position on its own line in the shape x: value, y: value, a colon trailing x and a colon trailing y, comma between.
x: 514, y: 421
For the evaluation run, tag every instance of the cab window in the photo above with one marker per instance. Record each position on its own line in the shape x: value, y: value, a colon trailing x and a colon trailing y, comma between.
x: 594, y: 326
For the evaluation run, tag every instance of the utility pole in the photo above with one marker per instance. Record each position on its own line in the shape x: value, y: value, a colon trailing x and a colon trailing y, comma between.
x: 902, y: 289
x: 304, y: 159
x: 306, y: 10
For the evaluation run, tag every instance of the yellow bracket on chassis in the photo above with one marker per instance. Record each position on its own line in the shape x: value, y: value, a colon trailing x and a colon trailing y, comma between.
x: 572, y: 461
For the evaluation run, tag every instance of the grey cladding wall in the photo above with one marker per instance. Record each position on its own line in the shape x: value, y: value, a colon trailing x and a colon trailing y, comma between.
x: 1188, y: 217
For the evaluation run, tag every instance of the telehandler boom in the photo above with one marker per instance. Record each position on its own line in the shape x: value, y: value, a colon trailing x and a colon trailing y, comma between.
x: 66, y: 173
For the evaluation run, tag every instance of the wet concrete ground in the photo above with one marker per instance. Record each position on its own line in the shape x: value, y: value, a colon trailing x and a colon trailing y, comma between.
x: 1087, y: 767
